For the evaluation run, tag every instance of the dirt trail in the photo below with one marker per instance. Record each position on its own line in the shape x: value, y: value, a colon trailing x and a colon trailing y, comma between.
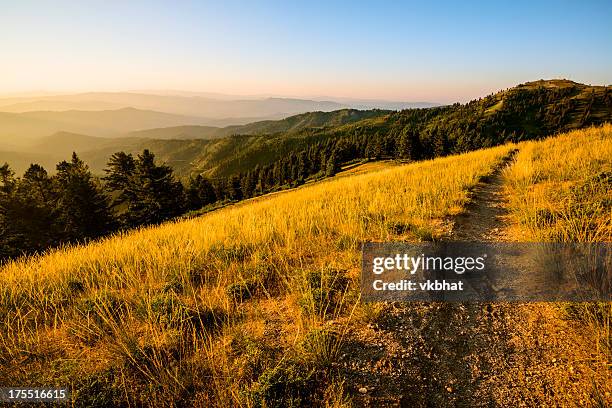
x: 472, y: 354
x: 485, y: 216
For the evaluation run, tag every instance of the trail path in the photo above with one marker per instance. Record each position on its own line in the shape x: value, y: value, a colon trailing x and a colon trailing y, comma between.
x: 472, y: 354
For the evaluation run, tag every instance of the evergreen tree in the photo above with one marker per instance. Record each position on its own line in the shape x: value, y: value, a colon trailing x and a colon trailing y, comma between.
x: 29, y: 220
x: 9, y: 240
x: 200, y: 193
x: 159, y: 195
x: 7, y: 179
x: 247, y: 184
x: 235, y: 191
x: 333, y: 165
x: 405, y: 145
x: 119, y: 179
x: 146, y: 193
x: 82, y: 207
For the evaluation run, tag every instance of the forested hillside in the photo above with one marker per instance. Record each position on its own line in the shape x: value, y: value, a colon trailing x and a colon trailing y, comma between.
x: 528, y: 111
x: 191, y: 174
x: 525, y: 112
x: 291, y: 124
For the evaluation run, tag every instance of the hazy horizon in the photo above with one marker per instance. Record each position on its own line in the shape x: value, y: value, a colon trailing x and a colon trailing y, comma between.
x: 199, y: 93
x: 232, y: 97
x: 410, y: 52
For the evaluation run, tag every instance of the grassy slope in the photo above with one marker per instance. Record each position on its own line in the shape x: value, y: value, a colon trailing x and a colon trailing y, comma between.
x: 226, y: 309
x: 560, y: 190
x: 235, y: 307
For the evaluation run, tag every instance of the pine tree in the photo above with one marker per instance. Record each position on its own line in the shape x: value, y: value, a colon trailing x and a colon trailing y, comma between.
x: 82, y: 207
x: 333, y: 165
x: 119, y: 179
x: 7, y: 180
x: 405, y: 145
x: 30, y: 219
x: 9, y: 239
x: 146, y: 193
x: 247, y: 184
x: 235, y: 191
x: 200, y: 193
x: 159, y: 195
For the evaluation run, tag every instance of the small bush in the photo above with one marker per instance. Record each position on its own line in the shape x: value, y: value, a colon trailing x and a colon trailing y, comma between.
x: 321, y: 347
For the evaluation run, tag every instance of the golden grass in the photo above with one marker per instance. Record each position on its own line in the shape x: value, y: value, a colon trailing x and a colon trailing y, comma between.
x: 226, y: 309
x: 560, y: 190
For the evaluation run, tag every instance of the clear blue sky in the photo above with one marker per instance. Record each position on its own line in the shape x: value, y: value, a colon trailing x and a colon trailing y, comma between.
x: 414, y: 51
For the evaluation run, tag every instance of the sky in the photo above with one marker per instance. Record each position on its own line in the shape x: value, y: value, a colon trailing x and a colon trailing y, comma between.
x: 413, y: 51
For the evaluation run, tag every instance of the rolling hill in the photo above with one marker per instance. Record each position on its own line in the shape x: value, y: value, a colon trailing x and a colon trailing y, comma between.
x: 528, y: 111
x: 291, y: 124
x: 183, y: 147
x: 106, y: 123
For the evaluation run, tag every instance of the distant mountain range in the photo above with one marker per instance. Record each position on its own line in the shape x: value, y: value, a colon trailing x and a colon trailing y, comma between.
x: 171, y: 143
x: 210, y: 110
x: 527, y: 111
x: 16, y: 128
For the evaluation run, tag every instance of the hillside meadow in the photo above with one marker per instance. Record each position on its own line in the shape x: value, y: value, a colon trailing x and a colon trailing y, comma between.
x: 250, y: 305
x: 231, y: 308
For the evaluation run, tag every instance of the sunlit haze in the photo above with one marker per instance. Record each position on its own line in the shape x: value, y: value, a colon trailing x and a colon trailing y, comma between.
x: 411, y: 52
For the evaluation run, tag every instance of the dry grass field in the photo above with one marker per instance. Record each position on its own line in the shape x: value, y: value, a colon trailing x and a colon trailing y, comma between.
x: 560, y: 189
x: 226, y: 309
x: 249, y: 305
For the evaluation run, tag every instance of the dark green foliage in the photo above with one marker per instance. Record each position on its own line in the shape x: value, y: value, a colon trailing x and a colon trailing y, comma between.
x: 529, y: 111
x: 200, y: 192
x: 82, y: 207
x: 146, y: 193
x: 333, y: 165
x: 27, y: 212
x: 38, y: 211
